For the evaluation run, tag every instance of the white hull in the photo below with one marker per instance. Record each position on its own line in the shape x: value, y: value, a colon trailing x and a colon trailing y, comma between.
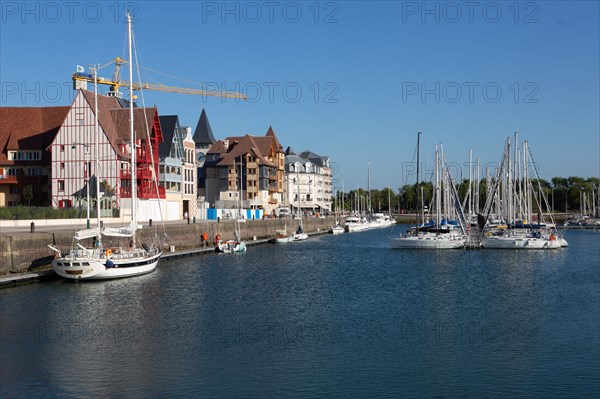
x: 352, y: 228
x: 282, y: 239
x: 300, y: 236
x: 336, y: 230
x: 90, y: 268
x: 426, y: 241
x: 519, y: 243
x: 228, y: 247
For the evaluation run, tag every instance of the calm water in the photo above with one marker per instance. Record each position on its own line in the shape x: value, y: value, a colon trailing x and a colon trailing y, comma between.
x: 335, y: 316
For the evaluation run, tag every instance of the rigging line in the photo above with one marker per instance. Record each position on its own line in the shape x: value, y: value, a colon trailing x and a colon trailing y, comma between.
x: 154, y: 174
x: 175, y: 77
x: 110, y: 43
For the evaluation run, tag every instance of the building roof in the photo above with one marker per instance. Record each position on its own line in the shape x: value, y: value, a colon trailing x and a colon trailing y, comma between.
x: 261, y: 147
x: 114, y: 120
x: 203, y: 134
x: 29, y: 128
x: 271, y: 134
x: 168, y: 124
x: 320, y: 160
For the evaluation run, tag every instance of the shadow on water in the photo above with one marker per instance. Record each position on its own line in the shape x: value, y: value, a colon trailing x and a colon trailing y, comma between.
x: 330, y: 316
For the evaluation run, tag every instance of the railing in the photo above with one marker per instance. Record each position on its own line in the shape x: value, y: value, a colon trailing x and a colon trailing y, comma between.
x: 23, y: 179
x: 8, y: 179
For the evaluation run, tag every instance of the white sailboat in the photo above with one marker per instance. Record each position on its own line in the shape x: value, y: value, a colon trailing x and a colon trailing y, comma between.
x: 102, y: 261
x: 519, y: 233
x: 338, y: 228
x: 299, y: 235
x: 282, y: 236
x: 436, y: 236
x: 235, y: 245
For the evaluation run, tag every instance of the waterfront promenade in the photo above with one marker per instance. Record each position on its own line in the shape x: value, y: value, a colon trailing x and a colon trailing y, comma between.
x: 23, y: 251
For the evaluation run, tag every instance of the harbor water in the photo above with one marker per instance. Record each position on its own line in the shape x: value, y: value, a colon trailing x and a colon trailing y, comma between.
x: 333, y: 316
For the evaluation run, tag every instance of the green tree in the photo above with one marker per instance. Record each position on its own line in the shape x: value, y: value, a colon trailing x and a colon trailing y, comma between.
x: 28, y: 194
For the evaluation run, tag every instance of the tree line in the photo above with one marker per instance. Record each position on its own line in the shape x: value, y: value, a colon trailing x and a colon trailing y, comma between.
x: 562, y: 195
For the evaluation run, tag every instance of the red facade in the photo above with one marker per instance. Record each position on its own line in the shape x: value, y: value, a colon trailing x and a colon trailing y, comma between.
x: 146, y: 166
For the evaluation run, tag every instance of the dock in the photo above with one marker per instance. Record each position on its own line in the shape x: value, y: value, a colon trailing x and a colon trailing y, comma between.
x: 16, y: 279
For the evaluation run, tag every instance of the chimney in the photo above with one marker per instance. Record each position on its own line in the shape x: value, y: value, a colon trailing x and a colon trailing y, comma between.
x: 226, y: 144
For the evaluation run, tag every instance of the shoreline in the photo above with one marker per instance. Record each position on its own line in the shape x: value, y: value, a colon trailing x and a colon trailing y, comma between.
x: 43, y: 272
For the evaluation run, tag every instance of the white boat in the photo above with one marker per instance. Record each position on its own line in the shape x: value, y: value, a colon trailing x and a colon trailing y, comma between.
x: 337, y: 229
x: 515, y: 201
x: 282, y: 237
x: 355, y: 223
x: 380, y: 220
x: 437, y: 235
x: 427, y: 240
x: 231, y: 246
x: 520, y: 241
x: 125, y: 259
x: 299, y: 235
x: 235, y: 245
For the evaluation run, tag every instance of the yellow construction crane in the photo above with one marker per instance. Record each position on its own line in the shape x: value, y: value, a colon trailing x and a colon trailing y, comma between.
x: 80, y: 80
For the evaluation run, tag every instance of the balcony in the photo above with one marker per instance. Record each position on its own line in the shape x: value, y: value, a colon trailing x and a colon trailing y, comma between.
x: 8, y: 179
x: 22, y: 179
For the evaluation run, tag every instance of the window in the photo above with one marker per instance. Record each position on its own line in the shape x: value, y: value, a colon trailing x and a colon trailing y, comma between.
x: 62, y: 148
x: 61, y: 185
x: 62, y: 165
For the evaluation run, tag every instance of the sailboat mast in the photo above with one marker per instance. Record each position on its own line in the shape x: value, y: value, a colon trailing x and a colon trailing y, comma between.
x: 369, y: 188
x: 132, y: 135
x: 438, y: 202
x: 97, y: 150
x: 417, y: 186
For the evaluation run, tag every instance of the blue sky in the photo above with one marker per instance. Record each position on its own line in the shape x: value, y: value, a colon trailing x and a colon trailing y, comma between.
x: 352, y: 80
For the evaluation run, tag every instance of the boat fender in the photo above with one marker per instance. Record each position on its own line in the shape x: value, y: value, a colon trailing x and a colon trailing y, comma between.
x: 109, y: 252
x: 218, y: 237
x: 204, y: 236
x: 109, y: 264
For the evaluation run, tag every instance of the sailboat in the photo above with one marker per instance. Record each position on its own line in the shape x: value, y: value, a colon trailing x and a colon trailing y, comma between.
x: 337, y: 228
x: 299, y: 235
x: 100, y: 261
x: 516, y: 197
x: 235, y: 245
x: 433, y: 235
x: 282, y: 236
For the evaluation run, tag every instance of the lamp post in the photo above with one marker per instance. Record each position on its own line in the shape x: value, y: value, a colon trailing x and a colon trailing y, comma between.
x: 87, y: 178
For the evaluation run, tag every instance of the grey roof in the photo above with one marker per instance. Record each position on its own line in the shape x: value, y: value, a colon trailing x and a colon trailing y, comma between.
x: 314, y: 158
x: 289, y: 151
x: 168, y: 124
x: 291, y: 160
x: 124, y: 103
x: 203, y: 135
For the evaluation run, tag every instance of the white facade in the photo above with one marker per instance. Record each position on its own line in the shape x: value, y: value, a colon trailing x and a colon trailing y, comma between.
x: 189, y: 183
x: 74, y: 153
x: 308, y: 186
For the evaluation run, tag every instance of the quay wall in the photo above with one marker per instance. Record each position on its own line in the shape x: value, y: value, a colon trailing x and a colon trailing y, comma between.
x: 23, y: 252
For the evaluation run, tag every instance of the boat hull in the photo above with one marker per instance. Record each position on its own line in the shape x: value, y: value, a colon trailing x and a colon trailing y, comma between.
x: 519, y: 243
x: 85, y: 268
x: 425, y: 242
x: 282, y: 240
x: 300, y: 236
x: 228, y: 247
